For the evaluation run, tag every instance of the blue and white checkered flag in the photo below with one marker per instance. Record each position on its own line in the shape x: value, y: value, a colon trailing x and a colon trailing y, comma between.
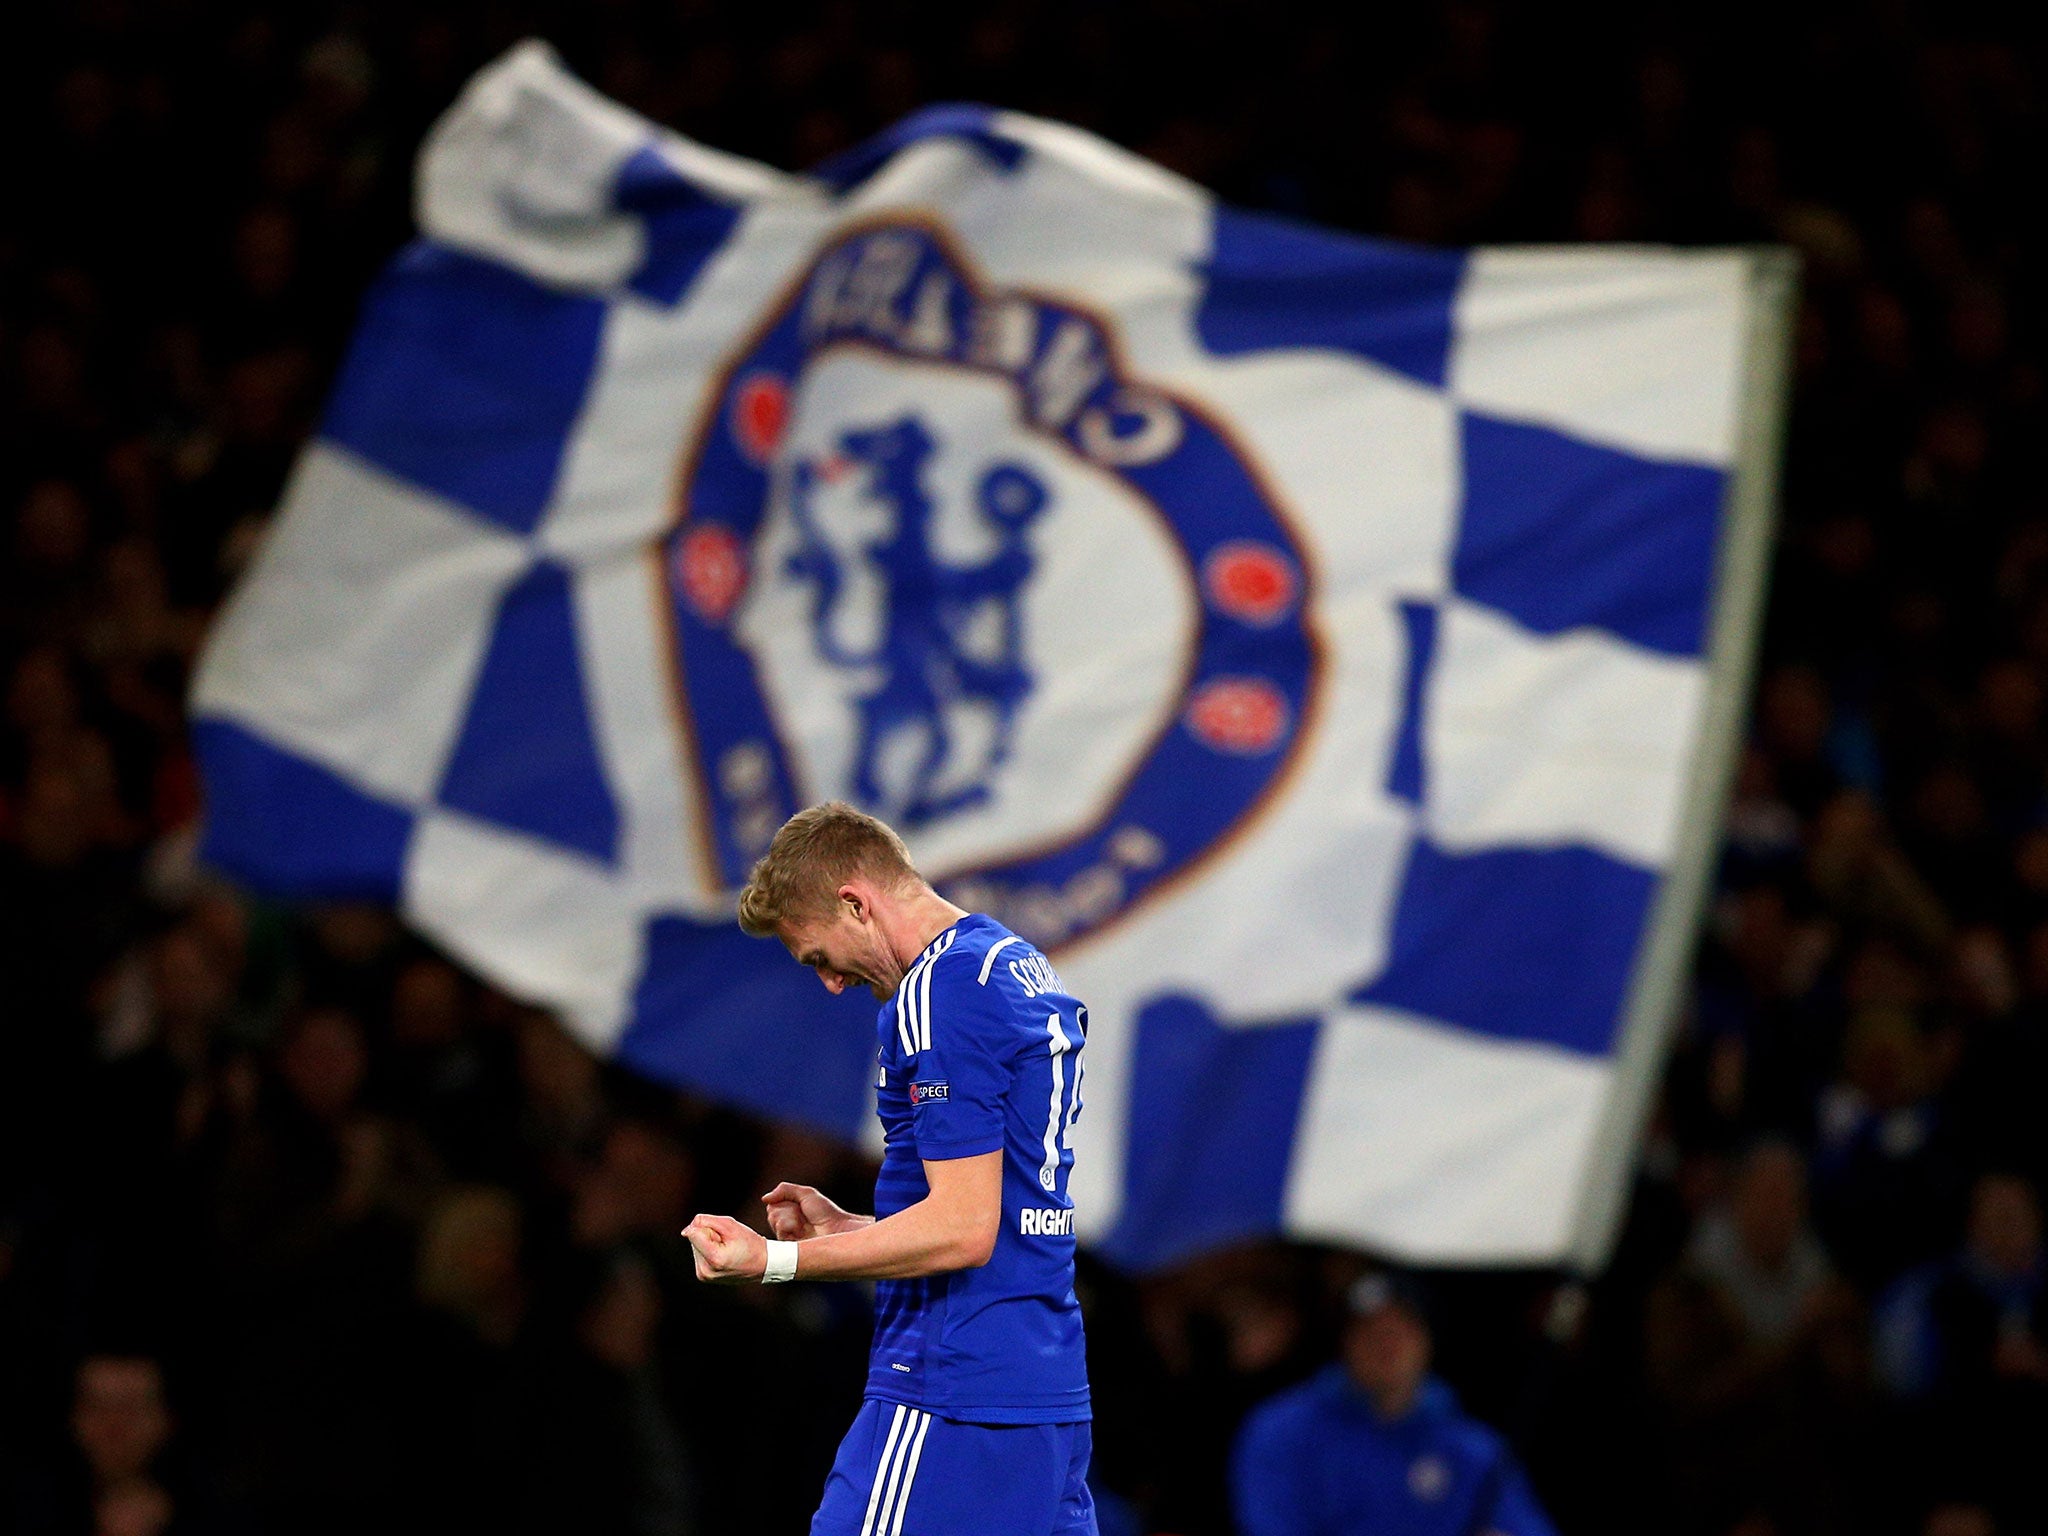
x: 1329, y: 650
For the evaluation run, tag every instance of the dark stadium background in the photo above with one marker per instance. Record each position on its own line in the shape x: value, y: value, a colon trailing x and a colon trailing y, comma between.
x: 402, y: 1258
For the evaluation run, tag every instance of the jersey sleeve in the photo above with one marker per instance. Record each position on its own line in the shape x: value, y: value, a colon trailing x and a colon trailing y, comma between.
x: 964, y: 1063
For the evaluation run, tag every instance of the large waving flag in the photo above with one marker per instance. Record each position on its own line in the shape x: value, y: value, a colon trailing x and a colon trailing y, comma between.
x: 1329, y: 650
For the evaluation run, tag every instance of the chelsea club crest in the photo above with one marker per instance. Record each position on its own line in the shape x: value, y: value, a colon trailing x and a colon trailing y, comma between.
x: 940, y: 553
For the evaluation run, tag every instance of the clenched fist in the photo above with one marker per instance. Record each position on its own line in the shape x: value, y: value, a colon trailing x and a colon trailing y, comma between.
x: 797, y: 1211
x: 727, y: 1251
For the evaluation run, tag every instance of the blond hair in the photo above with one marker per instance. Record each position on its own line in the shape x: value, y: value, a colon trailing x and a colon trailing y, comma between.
x: 799, y: 876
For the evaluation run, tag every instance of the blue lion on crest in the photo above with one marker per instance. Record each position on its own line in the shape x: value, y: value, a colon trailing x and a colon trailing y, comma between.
x: 924, y: 654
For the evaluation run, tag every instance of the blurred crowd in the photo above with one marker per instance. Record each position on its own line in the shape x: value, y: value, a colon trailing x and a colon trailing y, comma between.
x: 304, y: 1230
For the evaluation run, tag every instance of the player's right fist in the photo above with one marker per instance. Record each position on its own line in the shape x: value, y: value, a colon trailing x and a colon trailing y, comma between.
x: 726, y: 1251
x: 797, y: 1211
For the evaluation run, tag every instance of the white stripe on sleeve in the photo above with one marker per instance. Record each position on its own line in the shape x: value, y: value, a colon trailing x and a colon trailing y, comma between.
x: 924, y: 994
x: 988, y: 960
x: 906, y: 996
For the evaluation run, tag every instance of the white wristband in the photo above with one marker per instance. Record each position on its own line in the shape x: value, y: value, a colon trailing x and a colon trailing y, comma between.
x: 781, y: 1263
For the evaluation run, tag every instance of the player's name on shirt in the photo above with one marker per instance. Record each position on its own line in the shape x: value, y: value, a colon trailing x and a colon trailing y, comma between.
x: 1034, y: 973
x: 1045, y: 1221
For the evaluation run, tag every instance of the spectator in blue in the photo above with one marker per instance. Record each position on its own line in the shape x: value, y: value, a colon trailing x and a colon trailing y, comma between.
x: 1963, y: 1342
x: 1375, y: 1445
x: 1954, y: 1328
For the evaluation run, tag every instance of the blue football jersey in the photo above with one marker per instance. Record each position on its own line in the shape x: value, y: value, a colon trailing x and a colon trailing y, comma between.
x: 981, y: 1051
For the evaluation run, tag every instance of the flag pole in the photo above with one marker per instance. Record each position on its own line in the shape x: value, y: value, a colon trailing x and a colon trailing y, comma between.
x: 1652, y: 1011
